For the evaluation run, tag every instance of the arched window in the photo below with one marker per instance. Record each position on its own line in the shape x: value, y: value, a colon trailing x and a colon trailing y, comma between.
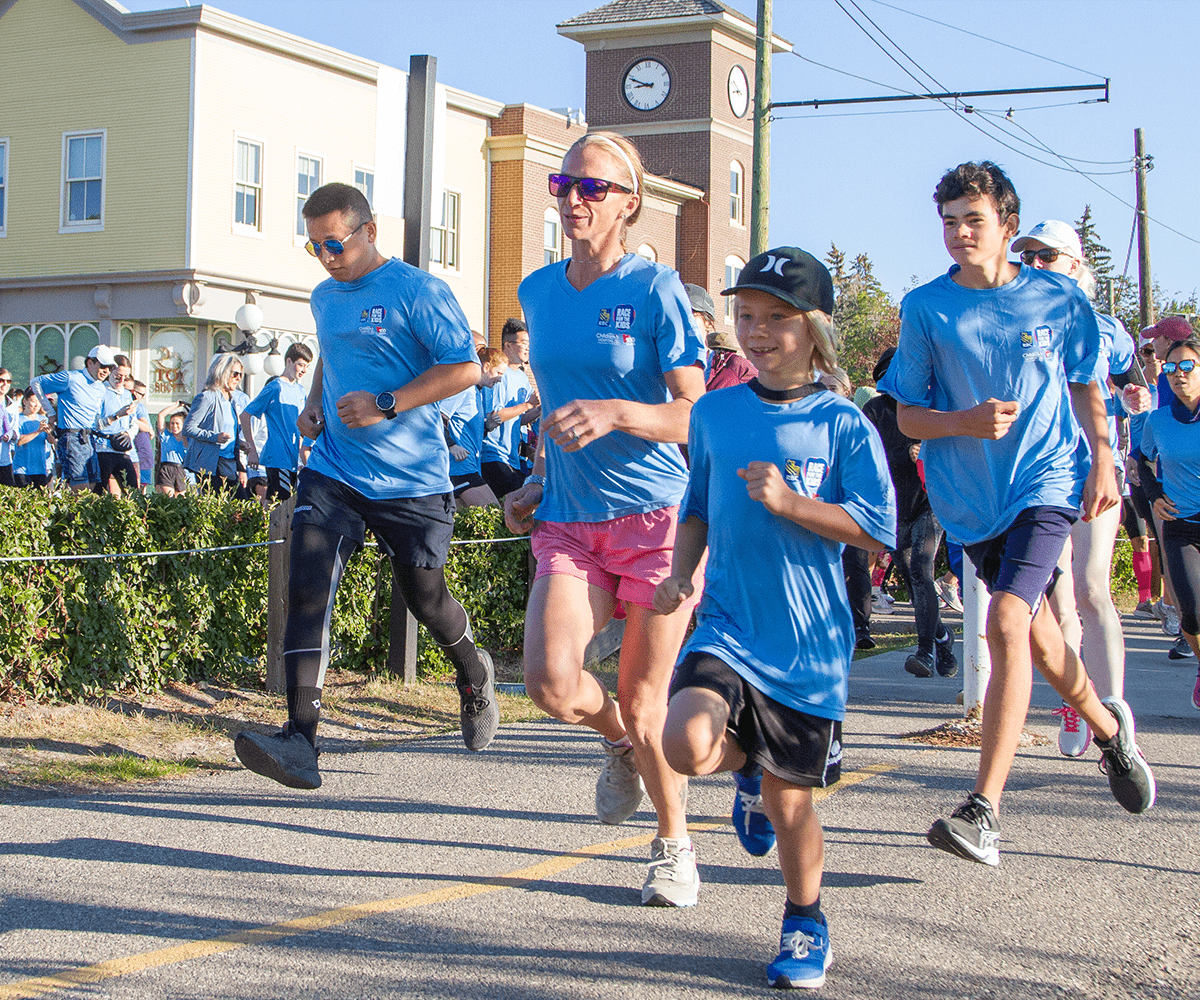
x: 15, y: 350
x: 647, y: 251
x: 733, y: 267
x: 552, y: 236
x: 737, y: 183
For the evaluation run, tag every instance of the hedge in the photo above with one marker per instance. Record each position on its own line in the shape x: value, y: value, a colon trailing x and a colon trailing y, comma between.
x: 74, y: 629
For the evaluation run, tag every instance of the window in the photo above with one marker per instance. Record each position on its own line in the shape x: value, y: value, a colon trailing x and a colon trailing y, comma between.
x: 308, y: 179
x: 443, y: 237
x: 552, y: 240
x: 733, y: 267
x: 647, y: 251
x: 364, y: 180
x: 3, y: 185
x: 736, y: 194
x: 83, y: 180
x: 247, y: 184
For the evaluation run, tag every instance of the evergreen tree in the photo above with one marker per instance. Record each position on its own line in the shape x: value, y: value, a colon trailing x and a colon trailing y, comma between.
x: 865, y: 314
x: 1095, y: 253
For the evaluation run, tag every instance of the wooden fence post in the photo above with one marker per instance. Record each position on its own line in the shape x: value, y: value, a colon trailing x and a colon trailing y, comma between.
x: 279, y: 560
x: 402, y: 645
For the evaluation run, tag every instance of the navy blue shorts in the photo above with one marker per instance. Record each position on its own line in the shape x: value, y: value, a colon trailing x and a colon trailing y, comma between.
x: 1023, y: 558
x: 413, y: 531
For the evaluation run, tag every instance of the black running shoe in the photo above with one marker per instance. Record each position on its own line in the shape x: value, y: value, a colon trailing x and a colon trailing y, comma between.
x: 971, y: 832
x: 920, y: 663
x: 285, y: 756
x: 479, y: 713
x: 863, y: 640
x: 947, y: 662
x: 1129, y: 776
x: 1180, y: 650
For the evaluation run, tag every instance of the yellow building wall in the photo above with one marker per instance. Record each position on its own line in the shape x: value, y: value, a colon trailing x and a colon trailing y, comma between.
x: 289, y: 107
x: 65, y: 71
x: 466, y: 171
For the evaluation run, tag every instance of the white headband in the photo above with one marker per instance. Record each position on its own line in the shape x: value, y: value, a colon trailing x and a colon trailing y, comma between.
x: 597, y: 137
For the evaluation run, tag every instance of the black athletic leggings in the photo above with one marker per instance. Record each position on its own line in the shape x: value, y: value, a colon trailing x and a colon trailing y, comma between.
x: 1181, y: 551
x: 916, y: 554
x: 856, y: 566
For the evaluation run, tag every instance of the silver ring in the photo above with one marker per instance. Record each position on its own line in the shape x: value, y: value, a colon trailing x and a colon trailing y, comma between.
x: 574, y: 437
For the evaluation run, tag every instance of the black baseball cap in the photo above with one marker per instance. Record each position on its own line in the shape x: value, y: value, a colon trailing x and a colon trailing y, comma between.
x: 790, y: 274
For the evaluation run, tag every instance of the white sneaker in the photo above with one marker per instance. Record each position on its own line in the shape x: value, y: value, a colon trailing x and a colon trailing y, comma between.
x: 619, y: 788
x: 673, y: 879
x: 949, y: 595
x: 1170, y: 623
x: 1074, y: 734
x: 882, y: 605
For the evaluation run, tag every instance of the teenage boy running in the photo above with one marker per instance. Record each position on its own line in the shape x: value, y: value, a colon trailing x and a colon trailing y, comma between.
x: 279, y: 402
x: 993, y: 357
x: 788, y: 471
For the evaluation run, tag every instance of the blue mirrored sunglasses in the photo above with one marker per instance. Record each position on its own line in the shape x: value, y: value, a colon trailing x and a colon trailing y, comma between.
x: 1185, y: 366
x: 590, y: 188
x: 335, y: 247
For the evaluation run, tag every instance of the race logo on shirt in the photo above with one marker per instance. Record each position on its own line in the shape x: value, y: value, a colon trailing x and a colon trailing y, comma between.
x: 377, y: 314
x: 605, y: 318
x: 1043, y: 338
x: 1026, y: 339
x: 814, y: 474
x: 623, y: 316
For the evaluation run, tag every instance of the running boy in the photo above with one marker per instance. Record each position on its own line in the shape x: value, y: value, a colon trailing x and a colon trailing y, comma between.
x: 791, y: 472
x: 993, y: 358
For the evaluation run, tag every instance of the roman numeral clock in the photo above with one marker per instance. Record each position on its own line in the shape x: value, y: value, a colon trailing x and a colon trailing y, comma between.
x: 647, y: 84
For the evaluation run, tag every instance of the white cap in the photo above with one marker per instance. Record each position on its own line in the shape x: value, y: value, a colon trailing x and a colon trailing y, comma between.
x: 105, y: 355
x: 1052, y: 233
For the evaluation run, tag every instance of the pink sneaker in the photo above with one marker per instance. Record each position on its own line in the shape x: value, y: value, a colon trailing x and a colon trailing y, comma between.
x: 1074, y: 735
x: 1196, y: 691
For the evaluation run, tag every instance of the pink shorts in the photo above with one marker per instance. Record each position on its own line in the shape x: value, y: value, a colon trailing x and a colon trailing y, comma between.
x: 628, y: 556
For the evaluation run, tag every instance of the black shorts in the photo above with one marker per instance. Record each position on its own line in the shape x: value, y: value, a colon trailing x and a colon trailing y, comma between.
x: 30, y: 480
x: 802, y: 749
x: 502, y: 478
x: 413, y: 531
x: 467, y: 482
x: 171, y: 476
x: 119, y: 466
x: 1023, y: 559
x: 1134, y: 526
x: 281, y: 483
x: 1141, y: 504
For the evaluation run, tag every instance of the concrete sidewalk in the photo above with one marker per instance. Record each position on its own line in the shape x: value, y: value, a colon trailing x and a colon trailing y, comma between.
x: 425, y: 871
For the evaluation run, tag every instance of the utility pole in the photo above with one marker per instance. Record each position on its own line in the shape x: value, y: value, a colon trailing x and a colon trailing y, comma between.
x: 760, y: 193
x: 1142, y: 163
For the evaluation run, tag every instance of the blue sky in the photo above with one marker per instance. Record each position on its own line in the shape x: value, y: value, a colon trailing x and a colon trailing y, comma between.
x: 864, y: 180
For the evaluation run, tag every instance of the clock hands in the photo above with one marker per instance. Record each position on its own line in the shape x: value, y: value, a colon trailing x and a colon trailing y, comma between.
x: 639, y: 83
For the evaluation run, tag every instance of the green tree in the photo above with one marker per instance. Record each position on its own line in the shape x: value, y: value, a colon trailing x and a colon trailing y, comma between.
x: 864, y: 313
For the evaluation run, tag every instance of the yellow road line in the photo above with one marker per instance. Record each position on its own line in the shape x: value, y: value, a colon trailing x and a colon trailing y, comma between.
x: 348, y: 914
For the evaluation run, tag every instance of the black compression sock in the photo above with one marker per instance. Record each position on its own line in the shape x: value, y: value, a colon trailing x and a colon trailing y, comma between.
x: 304, y: 710
x: 812, y: 912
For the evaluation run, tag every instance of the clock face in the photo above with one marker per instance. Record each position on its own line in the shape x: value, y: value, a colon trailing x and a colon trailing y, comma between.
x: 739, y: 91
x: 647, y: 84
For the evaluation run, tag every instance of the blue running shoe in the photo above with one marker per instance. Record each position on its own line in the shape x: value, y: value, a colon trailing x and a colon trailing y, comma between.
x: 804, y: 955
x: 754, y: 830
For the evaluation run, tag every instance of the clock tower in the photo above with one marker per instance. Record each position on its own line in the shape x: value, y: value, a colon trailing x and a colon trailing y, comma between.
x: 676, y: 77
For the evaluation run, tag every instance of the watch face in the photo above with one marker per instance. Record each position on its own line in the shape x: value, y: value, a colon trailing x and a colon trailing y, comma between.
x: 739, y: 91
x: 647, y: 84
x: 385, y: 401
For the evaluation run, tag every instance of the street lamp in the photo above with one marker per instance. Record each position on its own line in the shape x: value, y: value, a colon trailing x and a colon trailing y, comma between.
x: 249, y: 320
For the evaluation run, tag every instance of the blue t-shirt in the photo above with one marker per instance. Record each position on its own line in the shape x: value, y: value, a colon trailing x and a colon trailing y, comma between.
x: 29, y: 459
x: 279, y: 402
x: 466, y: 427
x: 1172, y: 436
x: 171, y: 450
x: 114, y: 400
x: 775, y: 606
x: 613, y: 340
x: 1116, y: 356
x: 79, y: 398
x: 378, y: 334
x: 502, y: 444
x: 1023, y: 341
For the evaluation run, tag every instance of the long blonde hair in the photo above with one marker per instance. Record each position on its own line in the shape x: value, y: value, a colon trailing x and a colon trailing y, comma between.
x: 218, y: 371
x: 624, y: 152
x: 826, y: 340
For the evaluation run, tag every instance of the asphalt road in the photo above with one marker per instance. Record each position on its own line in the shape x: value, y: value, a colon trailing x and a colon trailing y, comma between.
x: 425, y: 871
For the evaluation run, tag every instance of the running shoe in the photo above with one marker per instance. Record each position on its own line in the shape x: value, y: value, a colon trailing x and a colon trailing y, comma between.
x: 882, y: 605
x: 672, y: 879
x: 804, y: 955
x: 947, y: 662
x: 948, y: 593
x: 1180, y: 649
x: 1129, y: 776
x: 1170, y: 623
x: 1196, y: 693
x: 285, y: 756
x: 1145, y: 610
x: 1159, y: 609
x: 863, y: 640
x: 920, y: 663
x: 754, y: 830
x: 479, y: 713
x: 971, y: 832
x: 619, y: 788
x: 1074, y: 734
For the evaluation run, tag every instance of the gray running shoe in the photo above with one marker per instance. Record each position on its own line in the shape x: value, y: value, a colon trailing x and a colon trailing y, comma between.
x: 479, y: 712
x: 673, y: 879
x: 285, y: 756
x: 971, y: 832
x: 1129, y: 776
x: 619, y: 788
x: 1145, y: 610
x: 1170, y: 622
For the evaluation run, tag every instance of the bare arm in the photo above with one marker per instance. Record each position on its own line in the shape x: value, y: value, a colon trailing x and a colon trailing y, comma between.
x: 989, y: 420
x: 358, y: 409
x: 248, y: 438
x: 311, y: 420
x: 691, y: 539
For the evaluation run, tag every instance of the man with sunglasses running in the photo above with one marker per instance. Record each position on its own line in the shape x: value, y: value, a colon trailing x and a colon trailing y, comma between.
x: 393, y: 341
x: 80, y: 397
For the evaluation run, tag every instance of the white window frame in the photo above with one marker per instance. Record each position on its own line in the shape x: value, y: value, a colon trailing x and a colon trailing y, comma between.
x: 242, y: 228
x: 300, y: 238
x: 87, y: 226
x: 356, y: 169
x: 647, y: 251
x: 552, y: 253
x: 5, y: 183
x: 452, y: 235
x: 733, y: 267
x: 737, y: 200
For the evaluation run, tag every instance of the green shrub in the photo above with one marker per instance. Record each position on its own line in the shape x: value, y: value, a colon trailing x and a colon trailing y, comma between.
x: 74, y: 629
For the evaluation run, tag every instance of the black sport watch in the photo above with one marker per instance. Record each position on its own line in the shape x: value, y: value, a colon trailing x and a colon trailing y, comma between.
x: 386, y: 402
